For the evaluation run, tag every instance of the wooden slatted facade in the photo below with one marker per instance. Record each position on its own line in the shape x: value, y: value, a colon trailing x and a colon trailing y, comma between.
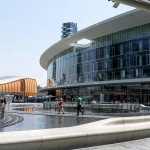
x: 25, y: 87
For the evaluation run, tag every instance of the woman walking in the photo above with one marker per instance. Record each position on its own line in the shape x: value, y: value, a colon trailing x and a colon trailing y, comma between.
x: 61, y: 105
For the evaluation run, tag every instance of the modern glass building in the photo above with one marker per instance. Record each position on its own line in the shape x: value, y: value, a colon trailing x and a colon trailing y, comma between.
x: 115, y: 65
x: 68, y: 29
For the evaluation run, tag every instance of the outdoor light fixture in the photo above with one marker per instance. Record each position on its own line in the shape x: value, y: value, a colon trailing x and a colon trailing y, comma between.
x: 142, y: 4
x: 116, y: 4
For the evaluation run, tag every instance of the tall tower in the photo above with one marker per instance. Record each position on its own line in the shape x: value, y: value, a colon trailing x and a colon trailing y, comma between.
x: 68, y: 28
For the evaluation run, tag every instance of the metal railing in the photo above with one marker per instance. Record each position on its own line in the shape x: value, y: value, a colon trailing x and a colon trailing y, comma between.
x: 95, y: 108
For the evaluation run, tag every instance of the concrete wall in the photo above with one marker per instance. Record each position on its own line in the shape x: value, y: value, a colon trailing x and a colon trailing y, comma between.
x: 91, y: 134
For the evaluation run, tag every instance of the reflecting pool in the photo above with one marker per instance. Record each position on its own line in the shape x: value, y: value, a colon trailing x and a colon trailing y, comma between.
x: 33, y: 122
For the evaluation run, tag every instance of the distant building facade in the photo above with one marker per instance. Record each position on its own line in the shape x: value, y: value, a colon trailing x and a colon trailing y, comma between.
x: 18, y: 86
x: 68, y: 29
x: 115, y: 66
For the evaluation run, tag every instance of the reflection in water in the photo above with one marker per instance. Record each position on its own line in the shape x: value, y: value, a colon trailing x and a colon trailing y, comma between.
x: 29, y: 109
x: 33, y: 122
x: 61, y: 121
x: 78, y: 120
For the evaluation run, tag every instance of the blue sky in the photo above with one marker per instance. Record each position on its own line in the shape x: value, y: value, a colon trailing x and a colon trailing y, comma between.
x: 29, y: 27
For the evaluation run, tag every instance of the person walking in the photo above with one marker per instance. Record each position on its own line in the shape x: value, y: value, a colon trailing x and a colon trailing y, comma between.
x: 79, y: 106
x: 61, y: 105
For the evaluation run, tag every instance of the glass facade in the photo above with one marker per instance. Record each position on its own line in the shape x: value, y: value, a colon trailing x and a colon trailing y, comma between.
x: 132, y: 93
x: 118, y: 56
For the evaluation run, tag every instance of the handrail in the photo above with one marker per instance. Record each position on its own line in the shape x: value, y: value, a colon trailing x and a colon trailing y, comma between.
x: 97, y: 108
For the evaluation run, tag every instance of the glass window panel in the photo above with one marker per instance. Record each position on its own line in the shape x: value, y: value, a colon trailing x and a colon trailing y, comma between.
x: 134, y: 33
x: 100, y: 65
x: 137, y: 60
x: 107, y: 51
x: 146, y: 43
x: 97, y: 53
x: 117, y: 49
x: 79, y: 68
x: 109, y: 39
x: 117, y: 74
x: 89, y: 55
x: 126, y: 47
x: 146, y: 71
x: 85, y: 56
x: 89, y: 67
x: 94, y: 66
x: 92, y: 55
x: 79, y: 58
x: 112, y: 50
x: 101, y: 53
x: 148, y: 59
x: 132, y: 74
x: 125, y: 35
x: 115, y: 62
x: 132, y: 60
x: 109, y: 64
x: 135, y: 45
x: 116, y: 38
x: 145, y: 30
x: 105, y: 40
x: 143, y: 56
x: 101, y: 43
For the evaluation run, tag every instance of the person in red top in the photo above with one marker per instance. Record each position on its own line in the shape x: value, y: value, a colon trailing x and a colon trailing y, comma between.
x: 61, y: 106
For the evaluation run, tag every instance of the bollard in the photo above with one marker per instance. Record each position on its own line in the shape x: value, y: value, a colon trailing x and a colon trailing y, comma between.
x: 130, y: 108
x: 50, y: 107
x: 44, y: 105
x: 2, y: 114
x: 122, y: 108
x: 2, y: 109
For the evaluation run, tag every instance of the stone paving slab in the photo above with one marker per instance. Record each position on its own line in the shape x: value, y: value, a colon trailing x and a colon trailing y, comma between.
x: 142, y: 144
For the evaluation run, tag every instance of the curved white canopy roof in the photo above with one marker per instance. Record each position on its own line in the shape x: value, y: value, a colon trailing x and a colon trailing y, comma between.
x: 121, y: 22
x: 7, y: 79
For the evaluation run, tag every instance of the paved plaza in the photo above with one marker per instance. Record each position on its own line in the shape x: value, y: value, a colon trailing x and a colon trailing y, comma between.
x: 141, y: 144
